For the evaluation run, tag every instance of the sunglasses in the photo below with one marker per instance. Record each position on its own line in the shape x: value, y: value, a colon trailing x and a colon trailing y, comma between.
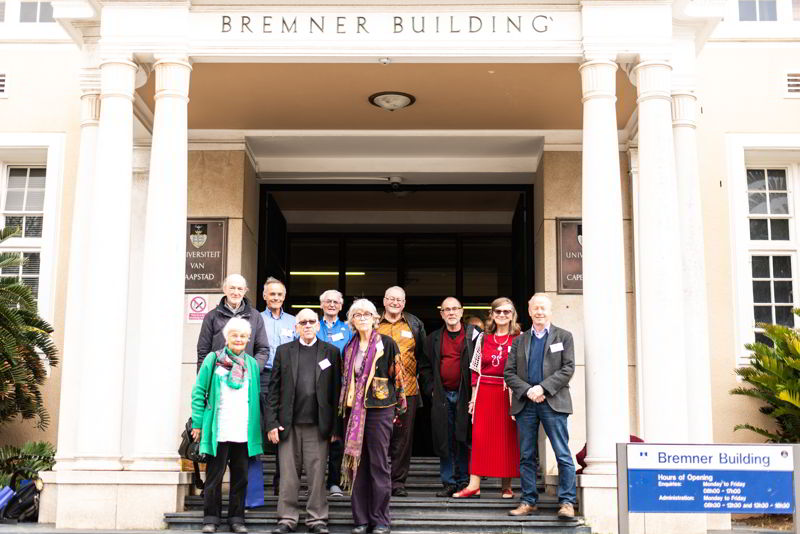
x: 502, y: 312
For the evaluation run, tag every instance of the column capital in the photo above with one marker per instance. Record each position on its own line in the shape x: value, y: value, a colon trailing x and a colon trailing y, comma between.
x: 598, y: 79
x: 653, y: 79
x: 90, y: 109
x: 117, y: 77
x: 172, y: 77
x: 684, y: 109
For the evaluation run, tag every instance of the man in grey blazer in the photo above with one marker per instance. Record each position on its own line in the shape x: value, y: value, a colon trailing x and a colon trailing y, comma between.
x: 538, y: 370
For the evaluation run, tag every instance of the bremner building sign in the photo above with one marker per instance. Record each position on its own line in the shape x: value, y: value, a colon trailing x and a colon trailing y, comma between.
x: 206, y: 254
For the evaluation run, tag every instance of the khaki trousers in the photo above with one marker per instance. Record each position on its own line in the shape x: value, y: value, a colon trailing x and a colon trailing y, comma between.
x: 304, y: 449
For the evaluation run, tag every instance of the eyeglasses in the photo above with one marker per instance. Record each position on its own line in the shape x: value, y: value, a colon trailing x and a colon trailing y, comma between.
x: 329, y: 301
x: 360, y: 316
x: 394, y: 299
x: 307, y: 322
x: 450, y: 310
x: 502, y: 312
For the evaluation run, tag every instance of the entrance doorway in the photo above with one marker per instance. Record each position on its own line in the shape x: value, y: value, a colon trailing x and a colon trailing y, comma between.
x: 469, y: 241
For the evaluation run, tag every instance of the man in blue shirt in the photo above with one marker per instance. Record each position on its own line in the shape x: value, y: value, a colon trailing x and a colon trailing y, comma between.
x: 336, y: 332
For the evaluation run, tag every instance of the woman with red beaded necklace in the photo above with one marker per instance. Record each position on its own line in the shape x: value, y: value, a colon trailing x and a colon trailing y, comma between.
x: 495, y: 451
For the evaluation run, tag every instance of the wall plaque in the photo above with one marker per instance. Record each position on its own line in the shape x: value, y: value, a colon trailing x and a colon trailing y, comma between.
x: 570, y: 255
x: 206, y: 254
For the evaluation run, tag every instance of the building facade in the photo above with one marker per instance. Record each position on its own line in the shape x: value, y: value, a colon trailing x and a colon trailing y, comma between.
x: 668, y: 128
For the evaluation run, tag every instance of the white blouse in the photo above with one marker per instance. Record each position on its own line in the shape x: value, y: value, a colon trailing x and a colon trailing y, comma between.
x: 232, y: 412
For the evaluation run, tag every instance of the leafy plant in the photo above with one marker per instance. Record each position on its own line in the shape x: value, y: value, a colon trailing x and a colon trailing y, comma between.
x: 32, y: 457
x: 774, y: 377
x: 25, y: 344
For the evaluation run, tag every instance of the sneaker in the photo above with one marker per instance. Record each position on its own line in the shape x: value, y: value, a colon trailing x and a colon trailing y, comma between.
x: 566, y: 511
x: 335, y: 491
x: 209, y: 528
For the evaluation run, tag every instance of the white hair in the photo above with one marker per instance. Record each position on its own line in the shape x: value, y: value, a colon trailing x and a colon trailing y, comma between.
x: 238, y: 324
x: 273, y: 280
x: 331, y: 294
x: 232, y: 279
x: 542, y: 296
x: 306, y: 311
x: 395, y: 288
x: 362, y: 305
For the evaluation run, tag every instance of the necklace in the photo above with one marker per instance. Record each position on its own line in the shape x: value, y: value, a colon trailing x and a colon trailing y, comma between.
x: 499, y: 356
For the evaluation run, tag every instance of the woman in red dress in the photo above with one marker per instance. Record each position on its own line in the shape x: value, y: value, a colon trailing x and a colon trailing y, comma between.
x: 495, y: 451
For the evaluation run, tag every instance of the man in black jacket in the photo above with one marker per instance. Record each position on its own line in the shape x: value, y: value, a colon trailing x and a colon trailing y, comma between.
x: 445, y: 376
x: 301, y: 419
x: 233, y: 304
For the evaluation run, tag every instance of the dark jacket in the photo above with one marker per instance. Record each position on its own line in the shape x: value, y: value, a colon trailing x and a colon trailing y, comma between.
x: 280, y: 397
x: 211, y: 338
x: 431, y: 384
x: 382, y: 388
x: 418, y: 330
x: 557, y: 369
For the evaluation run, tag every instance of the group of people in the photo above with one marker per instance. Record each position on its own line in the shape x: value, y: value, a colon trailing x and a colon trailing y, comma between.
x: 340, y: 397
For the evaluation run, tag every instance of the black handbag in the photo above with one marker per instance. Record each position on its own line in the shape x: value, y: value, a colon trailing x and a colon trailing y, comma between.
x: 189, y: 448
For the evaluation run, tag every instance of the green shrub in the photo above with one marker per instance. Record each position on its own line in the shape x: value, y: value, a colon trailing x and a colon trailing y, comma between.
x: 32, y: 457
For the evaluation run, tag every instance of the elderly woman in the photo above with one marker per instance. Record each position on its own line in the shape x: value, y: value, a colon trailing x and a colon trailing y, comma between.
x: 226, y: 420
x: 370, y: 400
x: 495, y: 451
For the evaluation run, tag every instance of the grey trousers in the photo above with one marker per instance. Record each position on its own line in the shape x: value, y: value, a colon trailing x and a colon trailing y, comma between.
x: 304, y: 449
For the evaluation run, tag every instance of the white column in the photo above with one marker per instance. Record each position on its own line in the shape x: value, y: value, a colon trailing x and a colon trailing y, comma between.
x: 663, y: 389
x: 76, y: 289
x: 103, y: 317
x: 695, y: 323
x: 604, y: 299
x: 163, y: 269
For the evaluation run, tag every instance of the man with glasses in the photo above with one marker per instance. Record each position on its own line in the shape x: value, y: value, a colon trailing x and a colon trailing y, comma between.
x: 336, y: 332
x: 301, y: 420
x: 447, y: 381
x: 409, y: 333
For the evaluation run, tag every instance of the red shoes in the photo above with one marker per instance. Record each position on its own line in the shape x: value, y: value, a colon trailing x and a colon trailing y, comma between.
x: 467, y: 493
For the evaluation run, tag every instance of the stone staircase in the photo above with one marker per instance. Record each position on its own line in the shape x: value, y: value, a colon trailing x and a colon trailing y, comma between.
x: 419, y: 513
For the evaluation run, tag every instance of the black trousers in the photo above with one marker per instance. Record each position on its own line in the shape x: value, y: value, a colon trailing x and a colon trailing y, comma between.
x: 335, y: 455
x: 235, y: 456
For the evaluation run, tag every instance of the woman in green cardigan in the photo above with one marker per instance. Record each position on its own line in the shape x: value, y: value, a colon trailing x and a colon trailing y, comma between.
x: 226, y: 420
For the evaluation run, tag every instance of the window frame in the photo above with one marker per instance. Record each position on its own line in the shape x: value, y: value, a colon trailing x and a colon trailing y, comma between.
x: 21, y: 240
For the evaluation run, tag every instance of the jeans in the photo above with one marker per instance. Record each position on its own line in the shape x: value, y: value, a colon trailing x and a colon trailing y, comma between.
x: 454, y: 469
x: 555, y: 426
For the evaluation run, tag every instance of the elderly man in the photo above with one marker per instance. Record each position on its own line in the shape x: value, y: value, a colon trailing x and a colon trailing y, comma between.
x: 539, y: 368
x: 448, y: 352
x: 409, y: 334
x: 337, y: 333
x: 233, y: 304
x: 301, y: 419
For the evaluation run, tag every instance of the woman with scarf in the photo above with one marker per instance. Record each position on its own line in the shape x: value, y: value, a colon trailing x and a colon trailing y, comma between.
x: 226, y: 420
x: 370, y: 400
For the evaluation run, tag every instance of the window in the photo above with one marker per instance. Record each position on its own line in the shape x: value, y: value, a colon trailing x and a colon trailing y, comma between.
x: 758, y: 10
x: 27, y: 273
x: 768, y: 200
x: 36, y: 12
x: 23, y: 204
x: 773, y: 291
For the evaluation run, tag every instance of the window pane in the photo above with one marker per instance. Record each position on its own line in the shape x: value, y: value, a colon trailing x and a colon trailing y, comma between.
x: 783, y: 291
x: 32, y: 283
x: 778, y: 203
x: 14, y: 200
x: 46, y: 12
x: 758, y: 202
x: 776, y: 179
x: 781, y: 267
x: 761, y: 292
x: 761, y: 338
x: 760, y: 266
x: 27, y: 12
x: 37, y: 178
x: 767, y: 10
x: 33, y: 226
x: 430, y: 267
x: 31, y: 265
x: 755, y: 179
x: 377, y: 258
x: 487, y: 266
x: 35, y: 200
x: 780, y: 229
x: 10, y: 269
x: 758, y: 229
x: 16, y: 180
x: 14, y: 221
x: 784, y: 315
x: 762, y: 314
x: 317, y: 255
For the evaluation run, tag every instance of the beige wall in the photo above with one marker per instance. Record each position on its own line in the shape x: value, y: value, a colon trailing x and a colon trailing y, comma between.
x: 746, y: 98
x: 44, y: 97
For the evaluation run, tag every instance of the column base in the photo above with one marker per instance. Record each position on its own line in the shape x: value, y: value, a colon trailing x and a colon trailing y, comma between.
x: 597, y: 498
x: 120, y: 500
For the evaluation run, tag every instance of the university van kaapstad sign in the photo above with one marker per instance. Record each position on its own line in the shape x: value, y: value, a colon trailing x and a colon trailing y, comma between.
x: 206, y: 254
x: 570, y: 255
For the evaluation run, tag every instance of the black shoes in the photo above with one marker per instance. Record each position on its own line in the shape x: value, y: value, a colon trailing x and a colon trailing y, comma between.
x: 447, y: 491
x: 399, y: 492
x: 318, y: 528
x: 239, y: 528
x: 360, y: 529
x: 282, y: 528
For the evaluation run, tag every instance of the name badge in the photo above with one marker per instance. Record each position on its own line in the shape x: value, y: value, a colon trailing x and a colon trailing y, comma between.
x: 337, y: 337
x: 556, y: 347
x: 475, y: 334
x: 324, y: 364
x: 287, y: 332
x: 379, y: 347
x: 406, y: 333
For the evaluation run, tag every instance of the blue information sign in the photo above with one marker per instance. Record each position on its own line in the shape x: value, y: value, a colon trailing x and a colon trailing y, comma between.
x: 710, y: 478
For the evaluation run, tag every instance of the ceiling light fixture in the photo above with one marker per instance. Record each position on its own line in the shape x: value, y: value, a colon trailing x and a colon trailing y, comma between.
x: 392, y: 100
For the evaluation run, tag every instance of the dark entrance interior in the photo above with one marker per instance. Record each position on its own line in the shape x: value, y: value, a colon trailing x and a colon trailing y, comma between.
x: 472, y: 242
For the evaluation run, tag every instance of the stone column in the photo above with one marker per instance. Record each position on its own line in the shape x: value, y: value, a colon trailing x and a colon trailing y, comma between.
x: 76, y: 289
x: 105, y: 293
x: 163, y: 269
x: 695, y: 323
x: 604, y: 298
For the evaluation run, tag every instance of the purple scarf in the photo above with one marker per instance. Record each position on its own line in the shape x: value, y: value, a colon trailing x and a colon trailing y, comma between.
x: 354, y: 433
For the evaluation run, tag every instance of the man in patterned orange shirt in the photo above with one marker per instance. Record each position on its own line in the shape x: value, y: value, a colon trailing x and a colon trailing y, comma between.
x: 409, y: 334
